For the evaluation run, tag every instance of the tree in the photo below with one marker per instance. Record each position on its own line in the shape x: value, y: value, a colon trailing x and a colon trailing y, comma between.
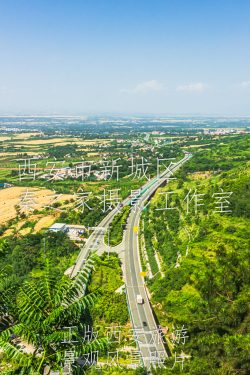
x: 7, y: 305
x: 44, y: 308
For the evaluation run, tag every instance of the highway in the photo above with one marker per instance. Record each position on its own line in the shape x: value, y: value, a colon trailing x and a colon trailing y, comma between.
x: 146, y: 333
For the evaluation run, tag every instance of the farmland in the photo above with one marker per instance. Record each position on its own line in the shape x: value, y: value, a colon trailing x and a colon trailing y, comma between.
x: 74, y: 175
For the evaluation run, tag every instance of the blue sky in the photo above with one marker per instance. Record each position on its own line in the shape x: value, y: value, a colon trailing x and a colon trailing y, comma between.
x: 125, y: 56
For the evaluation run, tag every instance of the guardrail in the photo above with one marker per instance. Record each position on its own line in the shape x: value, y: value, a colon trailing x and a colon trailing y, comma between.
x: 144, y: 196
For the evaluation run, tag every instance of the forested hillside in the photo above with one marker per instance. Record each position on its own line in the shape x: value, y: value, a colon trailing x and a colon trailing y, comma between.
x: 203, y: 289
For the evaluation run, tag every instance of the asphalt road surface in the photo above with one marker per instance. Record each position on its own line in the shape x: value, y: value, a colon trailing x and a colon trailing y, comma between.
x: 146, y: 332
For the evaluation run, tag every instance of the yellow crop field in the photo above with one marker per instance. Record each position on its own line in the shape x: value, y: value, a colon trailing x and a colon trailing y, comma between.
x: 44, y: 222
x: 10, y: 197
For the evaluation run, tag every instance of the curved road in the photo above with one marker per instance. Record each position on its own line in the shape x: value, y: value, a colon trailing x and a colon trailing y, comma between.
x: 146, y: 332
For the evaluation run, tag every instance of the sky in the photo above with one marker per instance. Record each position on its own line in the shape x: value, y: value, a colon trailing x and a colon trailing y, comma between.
x: 171, y: 57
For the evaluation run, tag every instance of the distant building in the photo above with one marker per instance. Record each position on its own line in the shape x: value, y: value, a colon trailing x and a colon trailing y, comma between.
x: 74, y: 232
x: 157, y: 132
x: 58, y: 227
x: 4, y: 185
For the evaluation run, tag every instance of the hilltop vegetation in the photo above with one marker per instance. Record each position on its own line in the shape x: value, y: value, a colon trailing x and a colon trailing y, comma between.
x: 205, y: 260
x: 23, y: 255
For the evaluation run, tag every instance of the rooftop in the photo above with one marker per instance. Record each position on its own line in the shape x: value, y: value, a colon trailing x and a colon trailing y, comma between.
x: 57, y: 226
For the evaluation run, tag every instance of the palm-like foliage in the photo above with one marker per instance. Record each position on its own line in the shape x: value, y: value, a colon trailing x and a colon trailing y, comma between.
x: 7, y: 305
x: 44, y: 308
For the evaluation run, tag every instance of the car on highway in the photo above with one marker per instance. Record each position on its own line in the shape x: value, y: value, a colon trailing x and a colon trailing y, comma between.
x: 139, y: 299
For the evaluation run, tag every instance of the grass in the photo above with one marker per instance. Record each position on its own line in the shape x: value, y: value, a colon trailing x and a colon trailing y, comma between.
x: 150, y: 249
x: 115, y: 235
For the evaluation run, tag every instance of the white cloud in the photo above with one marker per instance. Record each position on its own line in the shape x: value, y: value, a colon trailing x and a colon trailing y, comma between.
x: 192, y: 87
x: 145, y: 87
x: 245, y: 84
x: 4, y: 90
